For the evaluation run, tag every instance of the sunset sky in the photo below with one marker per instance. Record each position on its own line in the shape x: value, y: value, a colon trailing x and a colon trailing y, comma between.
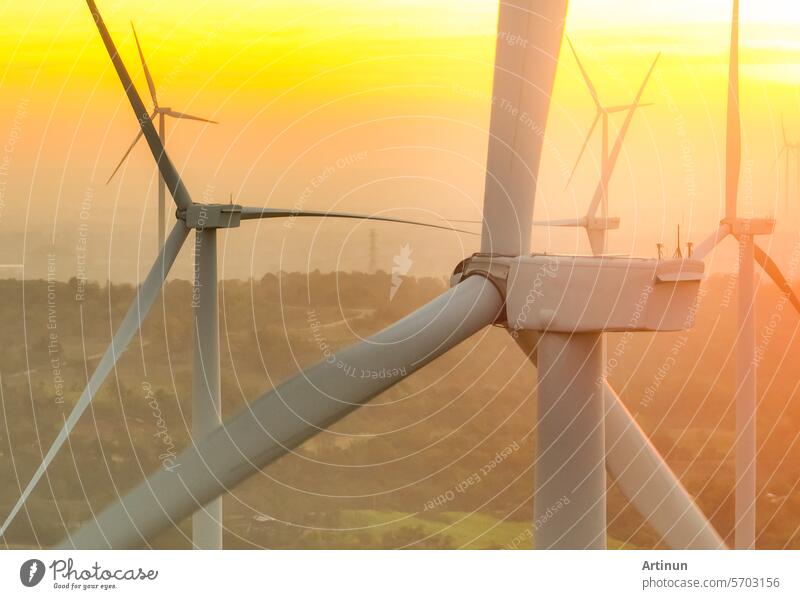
x: 397, y: 92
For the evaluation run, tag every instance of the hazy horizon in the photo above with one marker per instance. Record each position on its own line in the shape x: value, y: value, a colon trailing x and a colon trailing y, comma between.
x: 402, y: 102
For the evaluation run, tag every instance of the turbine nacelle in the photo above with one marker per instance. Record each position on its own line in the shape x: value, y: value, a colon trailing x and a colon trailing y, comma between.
x: 618, y: 293
x: 211, y: 216
x: 749, y: 226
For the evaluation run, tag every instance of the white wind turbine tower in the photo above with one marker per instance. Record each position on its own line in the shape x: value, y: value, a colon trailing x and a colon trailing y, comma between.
x: 582, y: 424
x: 162, y: 112
x: 595, y: 226
x: 744, y: 230
x: 205, y: 219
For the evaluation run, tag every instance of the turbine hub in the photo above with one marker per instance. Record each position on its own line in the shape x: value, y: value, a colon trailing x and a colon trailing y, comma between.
x: 492, y: 267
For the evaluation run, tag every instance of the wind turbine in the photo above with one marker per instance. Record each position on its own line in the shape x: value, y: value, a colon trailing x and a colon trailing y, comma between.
x: 787, y: 149
x: 205, y: 219
x: 582, y: 423
x: 631, y: 458
x: 162, y: 112
x: 595, y: 226
x: 744, y: 230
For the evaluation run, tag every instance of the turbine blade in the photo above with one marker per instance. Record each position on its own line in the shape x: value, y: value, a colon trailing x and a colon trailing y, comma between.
x: 583, y: 149
x: 620, y: 108
x: 702, y: 249
x: 130, y: 324
x: 256, y: 213
x: 597, y: 241
x: 586, y: 77
x: 523, y: 82
x: 295, y: 411
x: 150, y: 84
x: 561, y: 222
x: 642, y: 474
x: 733, y: 134
x: 170, y: 175
x: 640, y: 92
x: 624, y: 107
x: 125, y: 155
x: 615, y: 150
x: 460, y: 220
x: 182, y: 115
x: 774, y: 272
x: 649, y: 483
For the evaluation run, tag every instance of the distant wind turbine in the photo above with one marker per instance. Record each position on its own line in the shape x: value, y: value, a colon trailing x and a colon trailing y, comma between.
x: 162, y: 112
x: 744, y: 230
x: 596, y: 227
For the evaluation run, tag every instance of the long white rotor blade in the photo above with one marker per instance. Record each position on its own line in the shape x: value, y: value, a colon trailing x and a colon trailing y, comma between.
x: 147, y: 76
x: 733, y: 133
x: 257, y: 213
x: 649, y: 483
x: 171, y: 177
x: 273, y: 425
x: 623, y: 108
x: 585, y: 75
x: 617, y: 148
x: 127, y: 152
x: 774, y: 272
x: 561, y: 222
x: 586, y: 141
x: 528, y: 43
x: 462, y: 220
x: 130, y: 324
x: 703, y: 248
x: 183, y: 115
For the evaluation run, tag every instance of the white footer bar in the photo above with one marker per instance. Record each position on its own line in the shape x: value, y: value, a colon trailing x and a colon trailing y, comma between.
x: 400, y: 574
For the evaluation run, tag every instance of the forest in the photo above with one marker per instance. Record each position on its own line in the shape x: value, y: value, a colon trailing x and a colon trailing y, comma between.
x: 444, y: 459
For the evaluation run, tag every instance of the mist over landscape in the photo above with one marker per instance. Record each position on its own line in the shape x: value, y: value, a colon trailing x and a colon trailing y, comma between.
x: 444, y: 459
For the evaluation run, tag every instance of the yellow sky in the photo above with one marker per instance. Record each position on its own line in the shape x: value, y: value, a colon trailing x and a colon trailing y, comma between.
x: 297, y: 85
